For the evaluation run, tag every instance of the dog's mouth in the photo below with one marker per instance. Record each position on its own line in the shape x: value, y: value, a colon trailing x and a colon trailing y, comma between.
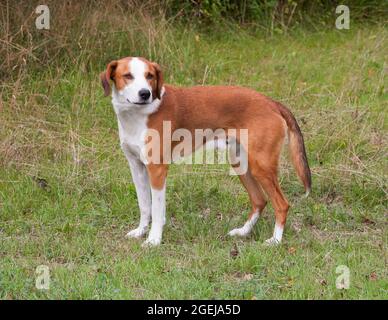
x: 138, y: 103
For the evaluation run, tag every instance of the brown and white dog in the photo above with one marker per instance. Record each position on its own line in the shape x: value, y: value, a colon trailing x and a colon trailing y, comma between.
x: 142, y: 102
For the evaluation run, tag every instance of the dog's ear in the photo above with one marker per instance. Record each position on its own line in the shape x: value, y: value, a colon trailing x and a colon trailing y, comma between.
x: 107, y: 76
x: 159, y: 79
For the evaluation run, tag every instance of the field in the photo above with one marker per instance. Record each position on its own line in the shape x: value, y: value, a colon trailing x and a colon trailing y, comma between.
x: 67, y: 198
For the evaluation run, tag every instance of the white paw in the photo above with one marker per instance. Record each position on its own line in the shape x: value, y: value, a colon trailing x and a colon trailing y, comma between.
x: 241, y: 232
x: 272, y: 242
x: 151, y: 242
x: 136, y: 233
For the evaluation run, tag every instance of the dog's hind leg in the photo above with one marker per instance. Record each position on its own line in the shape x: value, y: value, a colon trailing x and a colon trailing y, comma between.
x: 239, y: 161
x: 267, y: 177
x: 258, y: 203
x: 255, y: 193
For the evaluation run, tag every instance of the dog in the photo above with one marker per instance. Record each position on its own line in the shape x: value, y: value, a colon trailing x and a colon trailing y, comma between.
x: 142, y: 102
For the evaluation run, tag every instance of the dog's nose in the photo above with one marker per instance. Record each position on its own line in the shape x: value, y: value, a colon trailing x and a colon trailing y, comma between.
x: 144, y: 94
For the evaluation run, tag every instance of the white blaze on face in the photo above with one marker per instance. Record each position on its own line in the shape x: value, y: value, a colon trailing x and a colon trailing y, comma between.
x: 131, y: 91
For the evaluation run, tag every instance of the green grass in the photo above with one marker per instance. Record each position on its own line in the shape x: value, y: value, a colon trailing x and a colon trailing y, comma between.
x: 56, y: 125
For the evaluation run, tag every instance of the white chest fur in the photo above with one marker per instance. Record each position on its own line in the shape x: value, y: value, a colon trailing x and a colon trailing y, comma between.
x: 132, y: 122
x: 132, y: 131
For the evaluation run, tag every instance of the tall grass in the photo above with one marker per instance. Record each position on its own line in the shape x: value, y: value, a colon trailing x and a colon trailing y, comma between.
x: 84, y: 31
x: 81, y: 32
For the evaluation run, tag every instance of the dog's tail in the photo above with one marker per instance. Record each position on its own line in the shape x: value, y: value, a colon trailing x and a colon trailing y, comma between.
x: 297, y: 148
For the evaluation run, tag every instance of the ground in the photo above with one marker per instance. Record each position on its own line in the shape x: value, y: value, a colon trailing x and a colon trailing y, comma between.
x: 67, y: 199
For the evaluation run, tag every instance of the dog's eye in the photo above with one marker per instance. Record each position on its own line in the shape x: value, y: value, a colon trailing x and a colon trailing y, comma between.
x: 128, y: 76
x: 149, y: 76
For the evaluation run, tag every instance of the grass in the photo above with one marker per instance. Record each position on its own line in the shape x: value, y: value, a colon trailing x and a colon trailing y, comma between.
x: 67, y: 200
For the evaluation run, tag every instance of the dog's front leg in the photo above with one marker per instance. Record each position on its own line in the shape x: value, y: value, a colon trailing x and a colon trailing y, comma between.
x: 142, y: 185
x: 157, y: 175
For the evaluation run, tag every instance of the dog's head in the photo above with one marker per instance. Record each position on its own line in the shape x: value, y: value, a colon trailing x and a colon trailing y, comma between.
x: 136, y: 81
